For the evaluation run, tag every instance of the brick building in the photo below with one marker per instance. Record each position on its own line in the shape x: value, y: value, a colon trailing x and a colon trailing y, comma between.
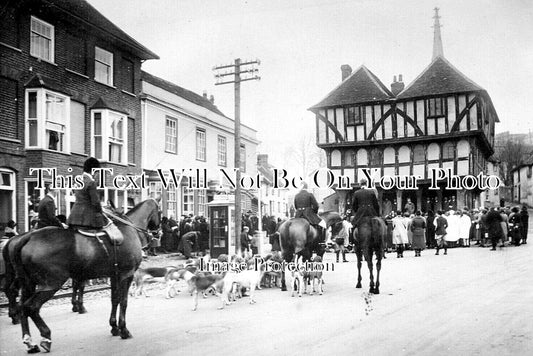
x: 69, y: 86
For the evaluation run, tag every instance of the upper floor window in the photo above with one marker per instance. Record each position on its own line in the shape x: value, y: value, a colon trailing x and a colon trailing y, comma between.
x: 435, y: 107
x: 47, y: 120
x: 354, y: 115
x: 109, y: 136
x: 103, y: 66
x: 42, y: 40
x: 243, y: 159
x: 222, y: 151
x: 171, y: 135
x: 200, y: 145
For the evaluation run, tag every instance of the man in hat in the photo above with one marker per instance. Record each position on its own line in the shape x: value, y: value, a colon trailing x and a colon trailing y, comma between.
x: 364, y: 203
x: 47, y: 209
x: 307, y: 207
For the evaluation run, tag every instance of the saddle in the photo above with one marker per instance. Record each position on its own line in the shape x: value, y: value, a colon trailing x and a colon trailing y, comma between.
x: 111, y: 230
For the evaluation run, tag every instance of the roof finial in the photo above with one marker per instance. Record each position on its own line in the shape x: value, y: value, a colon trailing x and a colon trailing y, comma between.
x: 437, y: 40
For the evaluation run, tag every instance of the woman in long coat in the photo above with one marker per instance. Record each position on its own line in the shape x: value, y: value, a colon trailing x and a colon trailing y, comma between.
x: 430, y: 229
x: 418, y: 227
x: 399, y: 233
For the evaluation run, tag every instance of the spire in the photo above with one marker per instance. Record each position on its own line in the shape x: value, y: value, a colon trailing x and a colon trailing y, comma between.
x: 437, y: 40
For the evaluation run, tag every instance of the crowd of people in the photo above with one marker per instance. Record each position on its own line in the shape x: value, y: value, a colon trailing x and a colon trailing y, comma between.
x: 443, y: 229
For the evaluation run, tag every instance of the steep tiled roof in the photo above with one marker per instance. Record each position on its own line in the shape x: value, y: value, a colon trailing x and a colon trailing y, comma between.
x: 440, y: 77
x: 179, y: 91
x: 84, y: 11
x: 361, y: 86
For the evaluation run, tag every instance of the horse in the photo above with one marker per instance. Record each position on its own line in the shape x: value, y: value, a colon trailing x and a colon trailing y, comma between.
x: 299, y: 238
x: 44, y: 259
x: 369, y: 240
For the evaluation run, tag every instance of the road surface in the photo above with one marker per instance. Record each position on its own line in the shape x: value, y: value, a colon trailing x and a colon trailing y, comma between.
x: 471, y: 302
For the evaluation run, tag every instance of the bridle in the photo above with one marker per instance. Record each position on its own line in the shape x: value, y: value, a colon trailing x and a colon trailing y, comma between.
x: 128, y: 222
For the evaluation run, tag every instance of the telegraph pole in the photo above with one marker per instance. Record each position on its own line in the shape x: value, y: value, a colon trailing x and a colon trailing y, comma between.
x: 249, y: 71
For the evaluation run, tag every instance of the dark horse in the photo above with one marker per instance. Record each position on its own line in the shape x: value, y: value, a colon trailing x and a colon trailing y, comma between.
x: 44, y: 259
x: 369, y: 240
x: 299, y: 238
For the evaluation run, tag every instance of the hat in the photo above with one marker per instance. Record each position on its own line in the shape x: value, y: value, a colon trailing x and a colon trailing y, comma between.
x: 11, y: 224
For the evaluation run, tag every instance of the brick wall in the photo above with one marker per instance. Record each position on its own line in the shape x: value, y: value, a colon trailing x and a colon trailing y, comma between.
x: 73, y: 68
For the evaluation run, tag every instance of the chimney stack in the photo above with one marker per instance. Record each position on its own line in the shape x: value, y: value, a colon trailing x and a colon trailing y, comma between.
x: 346, y: 70
x: 212, y: 99
x: 397, y: 86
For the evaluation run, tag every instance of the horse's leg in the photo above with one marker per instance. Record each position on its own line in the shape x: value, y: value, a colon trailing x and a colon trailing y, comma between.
x: 115, y: 299
x: 32, y: 308
x: 81, y: 289
x: 27, y: 291
x: 379, y: 255
x: 359, y: 254
x: 74, y: 299
x: 368, y: 258
x: 12, y: 292
x: 124, y: 289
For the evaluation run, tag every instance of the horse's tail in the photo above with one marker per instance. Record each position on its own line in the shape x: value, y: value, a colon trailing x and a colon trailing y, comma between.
x: 20, y: 272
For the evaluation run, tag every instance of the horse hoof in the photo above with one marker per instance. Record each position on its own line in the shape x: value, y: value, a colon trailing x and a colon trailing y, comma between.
x: 75, y: 308
x: 46, y: 345
x: 358, y: 285
x: 125, y: 334
x: 34, y: 349
x: 114, y: 331
x: 376, y: 291
x: 82, y: 310
x: 15, y: 321
x: 283, y: 289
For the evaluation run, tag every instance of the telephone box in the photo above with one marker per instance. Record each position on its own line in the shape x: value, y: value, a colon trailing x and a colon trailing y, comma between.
x: 222, y: 235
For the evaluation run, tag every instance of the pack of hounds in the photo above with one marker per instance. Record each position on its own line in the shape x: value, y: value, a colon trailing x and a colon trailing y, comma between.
x: 230, y: 285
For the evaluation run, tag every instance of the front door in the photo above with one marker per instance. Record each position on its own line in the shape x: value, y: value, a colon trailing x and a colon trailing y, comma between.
x: 219, y: 230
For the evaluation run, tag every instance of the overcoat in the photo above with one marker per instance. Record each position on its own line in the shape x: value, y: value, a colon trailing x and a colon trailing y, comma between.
x: 418, y: 227
x: 306, y: 207
x: 364, y: 203
x: 87, y: 211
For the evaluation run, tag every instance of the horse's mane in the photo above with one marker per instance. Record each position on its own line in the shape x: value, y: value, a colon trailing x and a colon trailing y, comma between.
x: 138, y: 206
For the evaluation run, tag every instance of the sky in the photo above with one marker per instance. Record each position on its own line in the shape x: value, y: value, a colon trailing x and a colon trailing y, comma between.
x: 302, y: 44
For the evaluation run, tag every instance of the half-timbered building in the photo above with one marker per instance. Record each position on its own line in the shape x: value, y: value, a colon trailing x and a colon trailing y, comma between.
x: 440, y: 120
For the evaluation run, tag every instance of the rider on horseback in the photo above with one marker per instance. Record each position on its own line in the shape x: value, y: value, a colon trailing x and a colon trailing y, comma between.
x: 87, y: 210
x: 307, y: 207
x: 364, y: 203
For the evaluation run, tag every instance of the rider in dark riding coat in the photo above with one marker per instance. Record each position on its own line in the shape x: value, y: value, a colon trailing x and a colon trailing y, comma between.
x: 364, y: 203
x: 307, y: 207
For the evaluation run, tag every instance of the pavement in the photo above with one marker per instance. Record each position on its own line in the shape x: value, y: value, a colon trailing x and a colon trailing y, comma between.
x: 471, y: 302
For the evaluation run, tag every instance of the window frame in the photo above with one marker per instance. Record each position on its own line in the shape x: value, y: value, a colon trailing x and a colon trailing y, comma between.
x: 105, y: 136
x: 222, y: 154
x: 110, y: 66
x: 201, y: 144
x: 169, y: 119
x: 434, y: 110
x: 51, y: 39
x: 41, y: 120
x: 354, y: 115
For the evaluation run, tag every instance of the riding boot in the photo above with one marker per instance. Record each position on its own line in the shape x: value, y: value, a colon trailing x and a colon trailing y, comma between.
x: 437, y: 253
x: 344, y: 256
x: 337, y: 254
x: 445, y: 251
